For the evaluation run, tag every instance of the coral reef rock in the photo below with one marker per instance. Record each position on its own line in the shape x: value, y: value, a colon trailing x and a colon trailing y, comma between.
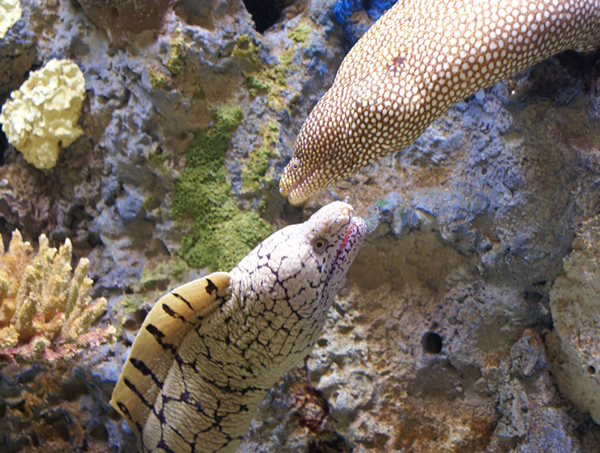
x: 121, y: 17
x: 575, y: 305
x: 468, y: 321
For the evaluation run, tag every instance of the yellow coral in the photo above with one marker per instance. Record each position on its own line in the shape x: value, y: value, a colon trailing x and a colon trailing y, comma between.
x: 42, y: 115
x: 45, y: 311
x: 10, y: 11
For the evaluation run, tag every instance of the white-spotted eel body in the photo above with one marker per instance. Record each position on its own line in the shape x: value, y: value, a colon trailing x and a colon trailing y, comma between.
x: 417, y: 61
x: 209, y: 351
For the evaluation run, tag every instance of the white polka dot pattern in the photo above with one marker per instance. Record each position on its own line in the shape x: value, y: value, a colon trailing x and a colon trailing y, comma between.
x: 417, y: 61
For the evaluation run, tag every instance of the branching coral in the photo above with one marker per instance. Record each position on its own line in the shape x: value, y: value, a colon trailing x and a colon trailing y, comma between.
x: 45, y: 309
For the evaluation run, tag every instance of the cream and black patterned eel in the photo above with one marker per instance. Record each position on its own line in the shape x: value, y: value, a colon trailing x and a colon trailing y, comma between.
x: 209, y: 351
x: 417, y: 61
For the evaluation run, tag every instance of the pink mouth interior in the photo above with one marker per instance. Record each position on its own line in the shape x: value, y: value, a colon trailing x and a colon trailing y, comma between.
x: 349, y: 232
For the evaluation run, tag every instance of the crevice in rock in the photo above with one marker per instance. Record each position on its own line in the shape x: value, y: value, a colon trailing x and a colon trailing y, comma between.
x: 3, y: 147
x: 266, y: 13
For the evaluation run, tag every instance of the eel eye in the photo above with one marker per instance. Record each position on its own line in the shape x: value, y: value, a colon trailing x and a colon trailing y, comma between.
x: 319, y: 245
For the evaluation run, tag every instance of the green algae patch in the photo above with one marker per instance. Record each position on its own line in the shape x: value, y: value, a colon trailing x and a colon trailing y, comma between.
x: 157, y: 80
x: 176, y: 51
x: 256, y: 85
x: 157, y: 159
x: 246, y: 50
x: 156, y: 75
x: 267, y: 79
x: 300, y: 34
x: 222, y: 233
x: 285, y: 59
x: 222, y: 246
x: 257, y: 167
x: 161, y: 275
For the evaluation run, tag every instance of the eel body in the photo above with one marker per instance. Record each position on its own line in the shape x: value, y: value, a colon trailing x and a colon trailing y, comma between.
x: 418, y: 60
x: 209, y: 351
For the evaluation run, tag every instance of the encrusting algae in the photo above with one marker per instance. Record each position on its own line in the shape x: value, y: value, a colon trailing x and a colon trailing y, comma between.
x: 223, y: 234
x: 45, y: 309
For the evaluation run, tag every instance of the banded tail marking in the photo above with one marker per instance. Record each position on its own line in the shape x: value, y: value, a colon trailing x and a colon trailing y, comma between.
x: 153, y: 350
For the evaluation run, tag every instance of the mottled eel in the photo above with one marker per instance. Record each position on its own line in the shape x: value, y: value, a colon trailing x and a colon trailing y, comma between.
x: 209, y: 351
x: 417, y: 61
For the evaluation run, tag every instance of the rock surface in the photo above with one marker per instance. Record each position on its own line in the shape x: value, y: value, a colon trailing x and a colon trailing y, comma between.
x: 574, y: 301
x: 469, y: 318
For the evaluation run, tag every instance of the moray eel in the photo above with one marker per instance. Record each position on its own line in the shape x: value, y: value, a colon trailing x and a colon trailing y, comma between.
x: 418, y: 60
x: 210, y: 350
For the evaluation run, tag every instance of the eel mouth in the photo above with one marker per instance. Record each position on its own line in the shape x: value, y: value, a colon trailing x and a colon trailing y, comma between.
x: 296, y: 194
x: 349, y: 231
x: 355, y: 232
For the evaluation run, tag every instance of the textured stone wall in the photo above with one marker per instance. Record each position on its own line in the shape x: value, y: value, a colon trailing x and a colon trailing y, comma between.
x: 468, y: 321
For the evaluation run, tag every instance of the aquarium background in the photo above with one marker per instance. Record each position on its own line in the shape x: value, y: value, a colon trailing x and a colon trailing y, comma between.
x: 469, y: 320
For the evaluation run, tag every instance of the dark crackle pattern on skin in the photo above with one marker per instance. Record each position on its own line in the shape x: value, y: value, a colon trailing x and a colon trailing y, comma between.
x: 209, y: 351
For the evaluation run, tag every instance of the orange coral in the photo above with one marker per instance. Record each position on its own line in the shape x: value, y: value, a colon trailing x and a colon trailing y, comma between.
x: 45, y: 309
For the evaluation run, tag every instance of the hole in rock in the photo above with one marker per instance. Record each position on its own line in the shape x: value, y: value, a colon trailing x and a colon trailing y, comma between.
x: 131, y: 324
x: 431, y: 342
x: 533, y: 297
x: 34, y: 440
x: 61, y: 429
x: 265, y: 13
x: 99, y: 432
x: 322, y: 342
x: 591, y: 369
x: 3, y: 147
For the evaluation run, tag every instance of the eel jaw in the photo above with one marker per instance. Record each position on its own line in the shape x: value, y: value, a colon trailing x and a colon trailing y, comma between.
x: 351, y: 229
x: 297, y: 184
x: 350, y: 244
